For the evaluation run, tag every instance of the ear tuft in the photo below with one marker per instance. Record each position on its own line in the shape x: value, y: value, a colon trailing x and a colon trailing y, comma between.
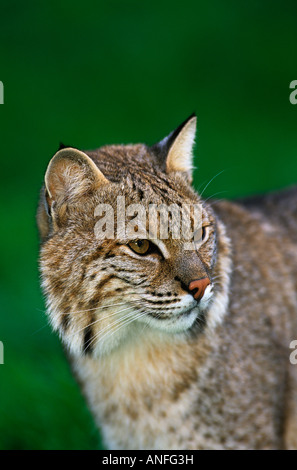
x: 177, y: 148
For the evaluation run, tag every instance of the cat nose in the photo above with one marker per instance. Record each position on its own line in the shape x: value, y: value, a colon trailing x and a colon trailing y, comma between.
x: 197, y: 288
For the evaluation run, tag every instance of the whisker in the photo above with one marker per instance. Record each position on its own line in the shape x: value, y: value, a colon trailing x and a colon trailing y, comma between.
x: 39, y: 329
x: 98, y: 320
x: 125, y: 323
x: 96, y: 308
x: 145, y: 325
x: 216, y: 201
x: 121, y: 323
x: 213, y: 195
x: 90, y: 309
x: 117, y: 322
x: 218, y: 174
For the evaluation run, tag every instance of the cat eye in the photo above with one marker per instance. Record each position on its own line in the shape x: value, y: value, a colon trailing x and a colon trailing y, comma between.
x: 205, y: 233
x: 141, y: 247
x: 201, y: 235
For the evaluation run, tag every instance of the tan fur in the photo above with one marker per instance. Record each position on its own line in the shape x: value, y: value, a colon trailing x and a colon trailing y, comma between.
x: 153, y: 377
x: 180, y: 155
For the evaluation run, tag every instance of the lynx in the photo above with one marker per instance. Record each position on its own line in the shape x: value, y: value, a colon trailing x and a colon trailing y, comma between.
x: 172, y: 348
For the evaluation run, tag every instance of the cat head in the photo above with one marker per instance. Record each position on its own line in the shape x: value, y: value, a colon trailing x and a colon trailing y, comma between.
x: 111, y: 261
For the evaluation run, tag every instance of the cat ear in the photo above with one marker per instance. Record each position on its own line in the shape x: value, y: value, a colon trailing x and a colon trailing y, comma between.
x: 177, y: 148
x: 71, y: 173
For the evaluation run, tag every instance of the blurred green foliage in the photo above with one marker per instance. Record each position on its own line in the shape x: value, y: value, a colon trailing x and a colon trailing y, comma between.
x: 92, y: 73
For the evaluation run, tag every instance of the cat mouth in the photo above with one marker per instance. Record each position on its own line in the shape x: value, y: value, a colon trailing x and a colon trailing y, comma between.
x: 181, y: 318
x: 173, y: 322
x: 170, y: 315
x: 189, y: 304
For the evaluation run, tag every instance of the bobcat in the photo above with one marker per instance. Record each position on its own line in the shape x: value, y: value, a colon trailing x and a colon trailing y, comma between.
x: 173, y: 348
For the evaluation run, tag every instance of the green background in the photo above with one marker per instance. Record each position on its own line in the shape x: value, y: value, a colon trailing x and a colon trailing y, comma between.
x: 92, y: 73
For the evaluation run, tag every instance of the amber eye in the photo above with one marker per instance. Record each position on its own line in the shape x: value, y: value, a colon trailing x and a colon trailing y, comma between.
x: 141, y: 247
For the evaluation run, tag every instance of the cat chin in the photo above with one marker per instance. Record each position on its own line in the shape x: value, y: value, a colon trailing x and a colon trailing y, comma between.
x: 148, y: 326
x: 148, y: 329
x: 175, y: 324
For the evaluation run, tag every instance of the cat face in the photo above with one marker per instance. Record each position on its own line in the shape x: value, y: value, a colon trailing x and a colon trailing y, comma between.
x: 101, y: 292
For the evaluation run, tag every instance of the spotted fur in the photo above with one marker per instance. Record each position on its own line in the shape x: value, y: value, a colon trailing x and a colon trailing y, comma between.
x: 159, y: 369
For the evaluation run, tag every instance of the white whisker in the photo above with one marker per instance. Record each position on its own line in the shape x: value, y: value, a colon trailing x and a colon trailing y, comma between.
x: 120, y: 323
x: 211, y: 181
x: 98, y: 320
x: 125, y: 323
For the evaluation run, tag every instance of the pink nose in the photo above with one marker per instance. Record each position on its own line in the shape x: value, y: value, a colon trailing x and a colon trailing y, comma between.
x: 199, y: 285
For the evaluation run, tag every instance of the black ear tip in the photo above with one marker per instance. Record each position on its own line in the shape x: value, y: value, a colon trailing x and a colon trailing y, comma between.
x: 161, y: 148
x: 193, y: 115
x: 63, y: 146
x: 180, y: 127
